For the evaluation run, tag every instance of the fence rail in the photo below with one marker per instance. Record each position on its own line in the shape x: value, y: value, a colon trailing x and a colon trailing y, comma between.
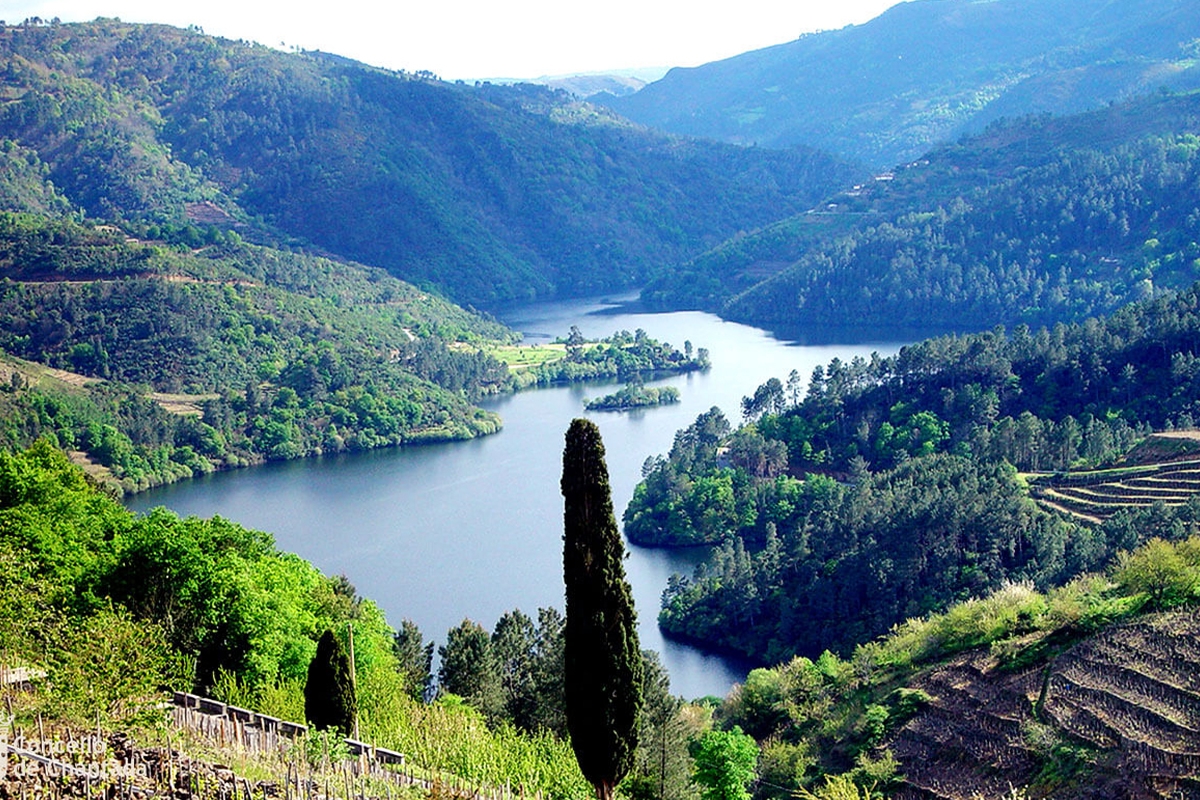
x: 254, y: 731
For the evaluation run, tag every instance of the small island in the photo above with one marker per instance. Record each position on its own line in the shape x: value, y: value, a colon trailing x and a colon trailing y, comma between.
x: 634, y: 396
x: 625, y: 356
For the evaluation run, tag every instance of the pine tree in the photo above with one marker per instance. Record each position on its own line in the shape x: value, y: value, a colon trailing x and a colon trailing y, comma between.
x: 469, y: 669
x: 548, y: 667
x: 603, y: 672
x: 663, y: 759
x: 416, y: 659
x: 514, y: 643
x: 329, y: 700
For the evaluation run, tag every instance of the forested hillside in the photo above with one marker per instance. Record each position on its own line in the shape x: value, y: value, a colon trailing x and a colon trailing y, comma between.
x: 490, y: 193
x: 928, y: 506
x: 176, y: 212
x: 166, y: 362
x: 1035, y: 221
x: 183, y: 360
x: 927, y: 71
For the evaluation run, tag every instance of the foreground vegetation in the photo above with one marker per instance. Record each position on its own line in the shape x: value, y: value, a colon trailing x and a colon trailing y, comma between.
x: 113, y: 606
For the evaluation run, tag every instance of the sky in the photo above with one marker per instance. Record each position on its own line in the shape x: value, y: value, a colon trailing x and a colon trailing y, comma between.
x: 476, y: 39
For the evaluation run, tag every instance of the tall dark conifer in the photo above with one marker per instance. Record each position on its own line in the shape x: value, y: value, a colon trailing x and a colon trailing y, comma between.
x: 329, y: 700
x: 603, y: 672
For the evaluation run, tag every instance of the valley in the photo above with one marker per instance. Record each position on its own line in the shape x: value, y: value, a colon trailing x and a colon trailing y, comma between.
x: 288, y: 344
x: 446, y: 550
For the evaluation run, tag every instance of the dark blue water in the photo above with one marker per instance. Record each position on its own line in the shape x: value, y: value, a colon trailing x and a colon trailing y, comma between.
x: 473, y: 529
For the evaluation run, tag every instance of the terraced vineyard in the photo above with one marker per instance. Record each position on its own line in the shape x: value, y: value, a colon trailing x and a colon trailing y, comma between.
x: 1120, y: 717
x: 1096, y: 495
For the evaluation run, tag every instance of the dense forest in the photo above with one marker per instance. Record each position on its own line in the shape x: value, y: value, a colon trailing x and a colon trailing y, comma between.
x: 490, y: 193
x: 1035, y: 221
x: 890, y: 487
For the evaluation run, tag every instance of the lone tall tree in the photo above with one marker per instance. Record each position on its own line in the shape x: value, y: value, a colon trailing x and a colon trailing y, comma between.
x: 603, y: 673
x: 329, y: 691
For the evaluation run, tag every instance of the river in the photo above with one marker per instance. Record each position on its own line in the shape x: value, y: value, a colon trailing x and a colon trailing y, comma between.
x: 473, y: 529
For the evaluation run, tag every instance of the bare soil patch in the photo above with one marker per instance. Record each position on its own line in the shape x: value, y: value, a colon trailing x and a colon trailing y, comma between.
x: 182, y: 404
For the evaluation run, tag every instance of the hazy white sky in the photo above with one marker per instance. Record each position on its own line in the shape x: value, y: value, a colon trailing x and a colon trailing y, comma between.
x: 485, y: 38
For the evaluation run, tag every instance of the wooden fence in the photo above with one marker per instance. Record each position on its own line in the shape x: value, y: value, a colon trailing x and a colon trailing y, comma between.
x: 253, y: 731
x: 55, y: 762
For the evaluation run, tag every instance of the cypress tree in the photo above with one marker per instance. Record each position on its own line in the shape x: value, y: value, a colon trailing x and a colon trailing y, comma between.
x: 603, y: 671
x: 329, y: 700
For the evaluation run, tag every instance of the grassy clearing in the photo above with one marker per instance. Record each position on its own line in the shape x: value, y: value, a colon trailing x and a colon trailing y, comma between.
x: 40, y: 376
x: 97, y: 471
x: 527, y: 356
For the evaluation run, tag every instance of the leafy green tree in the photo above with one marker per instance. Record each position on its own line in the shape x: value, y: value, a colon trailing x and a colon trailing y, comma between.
x: 329, y: 699
x: 1158, y: 570
x: 725, y: 764
x: 603, y: 661
x: 575, y: 343
x: 759, y: 703
x: 469, y: 668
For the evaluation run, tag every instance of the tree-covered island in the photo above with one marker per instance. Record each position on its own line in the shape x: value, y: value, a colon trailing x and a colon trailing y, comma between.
x: 625, y: 356
x: 634, y: 396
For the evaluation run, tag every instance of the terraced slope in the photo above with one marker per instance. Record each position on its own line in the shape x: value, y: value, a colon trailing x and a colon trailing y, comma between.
x: 1096, y: 495
x: 1120, y: 718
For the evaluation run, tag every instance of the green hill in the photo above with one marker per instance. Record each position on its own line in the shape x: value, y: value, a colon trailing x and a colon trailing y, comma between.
x: 890, y: 487
x: 927, y: 71
x: 273, y: 354
x: 490, y: 193
x: 1035, y: 221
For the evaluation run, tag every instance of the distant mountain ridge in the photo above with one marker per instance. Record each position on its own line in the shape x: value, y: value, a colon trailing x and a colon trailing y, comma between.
x: 928, y: 71
x: 488, y: 193
x: 618, y: 83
